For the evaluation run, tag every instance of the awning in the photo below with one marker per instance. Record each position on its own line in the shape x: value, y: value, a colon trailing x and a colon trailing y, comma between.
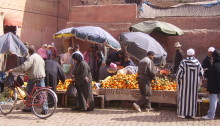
x: 13, y: 19
x: 150, y: 26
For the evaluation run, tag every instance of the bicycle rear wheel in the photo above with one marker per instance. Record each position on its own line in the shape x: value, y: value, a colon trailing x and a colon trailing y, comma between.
x: 8, y: 100
x: 44, y: 103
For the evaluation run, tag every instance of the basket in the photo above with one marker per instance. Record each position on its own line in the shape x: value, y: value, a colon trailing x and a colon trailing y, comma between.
x: 112, y: 70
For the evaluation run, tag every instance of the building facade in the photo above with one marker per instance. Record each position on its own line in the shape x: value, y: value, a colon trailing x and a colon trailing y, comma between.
x: 34, y: 21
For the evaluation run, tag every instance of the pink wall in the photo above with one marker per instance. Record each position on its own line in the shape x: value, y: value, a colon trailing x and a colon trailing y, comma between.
x: 115, y: 22
x: 40, y: 20
x: 103, y: 13
x: 200, y: 32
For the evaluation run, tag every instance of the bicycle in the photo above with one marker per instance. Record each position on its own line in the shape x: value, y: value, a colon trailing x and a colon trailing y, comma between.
x: 42, y: 100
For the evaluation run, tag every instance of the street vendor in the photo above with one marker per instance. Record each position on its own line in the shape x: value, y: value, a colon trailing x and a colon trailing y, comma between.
x: 128, y: 61
x: 103, y: 72
x: 117, y: 58
x: 93, y: 56
x: 178, y: 57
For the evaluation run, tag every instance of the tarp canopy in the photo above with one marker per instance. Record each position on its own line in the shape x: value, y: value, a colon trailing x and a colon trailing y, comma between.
x: 11, y: 43
x: 92, y: 34
x: 138, y: 44
x: 150, y: 26
x: 12, y: 18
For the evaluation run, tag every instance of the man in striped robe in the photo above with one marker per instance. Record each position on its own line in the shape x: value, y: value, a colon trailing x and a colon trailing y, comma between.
x: 188, y: 76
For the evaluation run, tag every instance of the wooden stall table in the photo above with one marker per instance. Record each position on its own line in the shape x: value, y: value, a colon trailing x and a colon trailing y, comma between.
x: 158, y: 96
x: 63, y: 97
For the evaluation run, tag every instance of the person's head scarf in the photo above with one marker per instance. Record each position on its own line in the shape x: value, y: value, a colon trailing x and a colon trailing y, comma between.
x: 77, y: 57
x: 216, y: 56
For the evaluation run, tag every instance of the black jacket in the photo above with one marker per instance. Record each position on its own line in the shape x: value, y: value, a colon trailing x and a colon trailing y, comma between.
x: 206, y: 64
x: 214, y: 74
x: 54, y: 73
x: 178, y: 59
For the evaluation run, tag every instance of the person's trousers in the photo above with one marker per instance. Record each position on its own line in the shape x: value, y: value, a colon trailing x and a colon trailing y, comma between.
x: 213, y: 98
x: 31, y: 82
x: 145, y: 91
x: 39, y: 83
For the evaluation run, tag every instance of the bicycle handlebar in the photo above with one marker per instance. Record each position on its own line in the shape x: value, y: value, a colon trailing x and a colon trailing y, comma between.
x: 15, y: 75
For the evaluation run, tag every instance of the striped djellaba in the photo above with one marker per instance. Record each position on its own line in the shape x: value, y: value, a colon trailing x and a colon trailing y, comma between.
x: 188, y: 76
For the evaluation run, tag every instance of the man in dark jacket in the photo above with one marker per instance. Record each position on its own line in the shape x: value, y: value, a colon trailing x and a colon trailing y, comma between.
x: 146, y: 73
x: 207, y: 62
x: 178, y: 57
x: 54, y: 73
x: 213, y: 86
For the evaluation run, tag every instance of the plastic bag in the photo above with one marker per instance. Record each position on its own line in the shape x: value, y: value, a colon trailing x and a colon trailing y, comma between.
x: 20, y: 81
x: 10, y: 80
x: 21, y: 93
x: 71, y: 90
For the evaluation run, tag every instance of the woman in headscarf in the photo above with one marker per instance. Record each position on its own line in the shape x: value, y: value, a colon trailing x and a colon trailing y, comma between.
x: 83, y: 80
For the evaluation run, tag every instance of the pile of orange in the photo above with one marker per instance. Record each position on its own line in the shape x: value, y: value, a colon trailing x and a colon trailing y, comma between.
x: 163, y: 84
x: 63, y: 86
x: 120, y: 81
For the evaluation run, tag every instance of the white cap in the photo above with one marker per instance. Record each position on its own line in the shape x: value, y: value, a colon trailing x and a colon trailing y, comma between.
x: 52, y: 44
x: 190, y: 52
x: 211, y: 49
x: 177, y: 44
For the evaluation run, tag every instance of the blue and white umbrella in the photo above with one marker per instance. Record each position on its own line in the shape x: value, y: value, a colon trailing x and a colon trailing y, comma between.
x: 11, y: 43
x: 138, y: 44
x: 96, y: 35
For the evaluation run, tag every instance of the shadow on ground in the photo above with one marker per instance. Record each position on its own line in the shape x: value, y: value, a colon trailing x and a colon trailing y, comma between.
x: 12, y: 116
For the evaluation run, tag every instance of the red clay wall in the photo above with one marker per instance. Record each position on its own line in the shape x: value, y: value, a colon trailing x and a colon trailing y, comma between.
x: 115, y: 22
x: 104, y: 14
x: 200, y: 32
x: 39, y: 21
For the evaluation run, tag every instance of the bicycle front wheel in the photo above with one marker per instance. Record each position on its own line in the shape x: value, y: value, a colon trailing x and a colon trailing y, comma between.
x: 8, y: 99
x: 44, y: 103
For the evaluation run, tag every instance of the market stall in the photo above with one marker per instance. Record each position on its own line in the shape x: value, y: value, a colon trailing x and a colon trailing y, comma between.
x: 125, y: 87
x: 158, y: 96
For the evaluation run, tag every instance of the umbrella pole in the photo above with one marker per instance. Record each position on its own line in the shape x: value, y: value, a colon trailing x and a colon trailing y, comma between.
x: 4, y: 62
x: 72, y: 42
x: 106, y: 52
x: 62, y: 45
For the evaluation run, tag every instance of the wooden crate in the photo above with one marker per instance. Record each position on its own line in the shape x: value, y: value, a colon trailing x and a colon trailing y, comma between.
x: 204, y: 107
